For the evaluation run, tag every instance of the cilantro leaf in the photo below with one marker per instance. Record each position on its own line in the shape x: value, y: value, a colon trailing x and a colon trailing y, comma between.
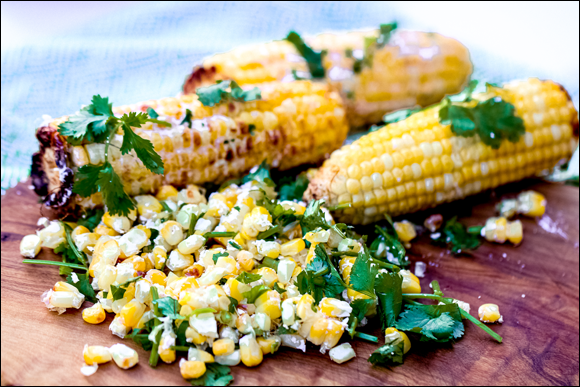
x: 89, y: 122
x: 360, y: 307
x: 152, y: 113
x: 455, y: 236
x: 313, y: 59
x: 292, y: 189
x: 140, y: 338
x: 233, y: 305
x: 169, y: 307
x: 111, y: 187
x: 118, y: 291
x: 83, y: 285
x: 465, y: 94
x: 261, y: 175
x: 235, y: 244
x: 387, y: 246
x: 385, y: 31
x: 279, y: 289
x: 91, y: 218
x: 313, y: 217
x: 302, y: 283
x: 217, y: 256
x: 187, y: 118
x: 362, y: 275
x: 388, y: 287
x: 215, y: 375
x: 248, y: 278
x: 440, y: 323
x: 218, y: 93
x: 388, y: 355
x: 254, y: 293
x: 372, y: 44
x: 180, y: 333
x: 399, y: 115
x: 143, y: 148
x: 86, y: 180
x: 494, y: 120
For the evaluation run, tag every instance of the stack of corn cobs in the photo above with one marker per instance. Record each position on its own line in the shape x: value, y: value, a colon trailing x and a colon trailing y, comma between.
x: 232, y: 277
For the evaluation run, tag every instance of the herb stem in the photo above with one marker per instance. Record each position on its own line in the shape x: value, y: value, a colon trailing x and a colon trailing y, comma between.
x: 413, y: 296
x: 54, y: 263
x: 364, y: 336
x: 67, y: 230
x: 476, y: 230
x: 203, y: 310
x: 180, y: 348
x: 466, y: 315
x: 436, y: 288
x: 343, y: 253
x: 353, y: 325
x: 271, y: 263
x: 271, y: 231
x: 321, y: 272
x: 154, y: 358
x: 219, y: 234
x: 386, y: 265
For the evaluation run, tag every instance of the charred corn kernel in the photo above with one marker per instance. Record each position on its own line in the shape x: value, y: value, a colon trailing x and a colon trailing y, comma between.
x: 334, y: 308
x: 411, y: 283
x: 102, y: 229
x: 405, y: 231
x: 269, y: 276
x: 270, y: 344
x: 52, y: 235
x: 96, y: 354
x: 166, y: 354
x: 191, y: 369
x: 500, y: 230
x: 156, y: 277
x: 223, y: 347
x: 268, y: 249
x: 193, y: 336
x: 192, y: 194
x: 191, y: 244
x: 178, y: 261
x: 531, y: 203
x: 325, y: 332
x: 118, y: 328
x: 159, y: 257
x: 489, y: 313
x: 132, y: 313
x: 293, y: 247
x: 246, y: 260
x: 393, y: 336
x: 30, y: 246
x: 433, y: 222
x: 172, y: 232
x: 269, y: 304
x: 195, y: 271
x: 94, y: 314
x: 120, y: 224
x: 124, y: 356
x: 148, y: 206
x: 237, y: 288
x: 452, y: 166
x: 250, y: 351
x: 320, y: 236
x: 304, y: 306
x: 196, y: 354
x: 166, y: 192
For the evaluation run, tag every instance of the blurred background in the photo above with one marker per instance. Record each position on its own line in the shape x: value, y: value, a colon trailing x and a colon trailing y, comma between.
x: 56, y: 55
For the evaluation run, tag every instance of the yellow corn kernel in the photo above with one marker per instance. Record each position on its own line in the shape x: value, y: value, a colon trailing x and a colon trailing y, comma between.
x: 269, y: 345
x: 78, y: 230
x: 223, y: 347
x: 269, y: 276
x: 124, y: 356
x: 250, y: 351
x: 145, y: 230
x: 325, y: 332
x: 120, y: 224
x: 192, y: 369
x: 334, y: 308
x: 531, y: 203
x: 304, y: 306
x: 96, y: 354
x: 244, y: 323
x: 165, y: 352
x: 293, y: 247
x: 393, y: 334
x: 148, y: 205
x: 30, y: 246
x: 166, y: 192
x: 317, y: 236
x: 200, y: 355
x: 411, y: 283
x: 489, y: 313
x: 237, y: 288
x: 269, y: 304
x: 79, y: 156
x: 311, y: 252
x: 102, y: 229
x: 405, y: 230
x: 514, y: 232
x: 172, y: 232
x: 246, y: 260
x: 156, y: 277
x: 94, y: 314
x: 132, y: 313
x: 269, y: 249
x: 194, y: 336
x: 195, y: 271
x: 229, y: 264
x: 159, y: 257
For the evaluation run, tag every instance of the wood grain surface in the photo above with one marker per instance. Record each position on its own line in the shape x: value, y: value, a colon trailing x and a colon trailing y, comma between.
x: 535, y: 285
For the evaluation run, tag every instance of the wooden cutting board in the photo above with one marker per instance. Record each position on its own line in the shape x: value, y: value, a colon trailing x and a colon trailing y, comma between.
x: 535, y: 285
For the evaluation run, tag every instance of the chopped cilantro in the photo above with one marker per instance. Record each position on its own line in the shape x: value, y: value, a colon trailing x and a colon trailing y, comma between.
x: 233, y: 305
x: 362, y: 275
x: 169, y: 307
x: 91, y: 218
x: 216, y: 256
x: 313, y: 59
x: 218, y: 93
x: 292, y: 189
x: 235, y: 244
x: 388, y: 287
x: 254, y: 293
x: 248, y: 278
x: 187, y: 118
x: 388, y: 354
x: 399, y: 115
x: 279, y: 289
x: 118, y: 291
x: 440, y: 323
x: 215, y: 375
x: 385, y: 31
x: 261, y: 175
x: 152, y: 113
x: 84, y: 286
x: 387, y: 246
x: 252, y: 129
x: 455, y: 236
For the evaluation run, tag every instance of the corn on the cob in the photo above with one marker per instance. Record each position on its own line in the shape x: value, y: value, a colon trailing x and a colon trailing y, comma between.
x: 418, y: 162
x: 293, y: 124
x: 414, y: 68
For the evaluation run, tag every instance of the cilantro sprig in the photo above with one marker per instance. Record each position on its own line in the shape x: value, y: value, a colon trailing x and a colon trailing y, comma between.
x: 371, y: 45
x: 224, y: 91
x: 215, y: 375
x: 313, y: 58
x: 456, y: 237
x: 96, y: 123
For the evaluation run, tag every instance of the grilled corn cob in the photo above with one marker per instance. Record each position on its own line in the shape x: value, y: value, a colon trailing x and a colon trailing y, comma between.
x: 418, y: 163
x: 293, y: 124
x: 415, y: 68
